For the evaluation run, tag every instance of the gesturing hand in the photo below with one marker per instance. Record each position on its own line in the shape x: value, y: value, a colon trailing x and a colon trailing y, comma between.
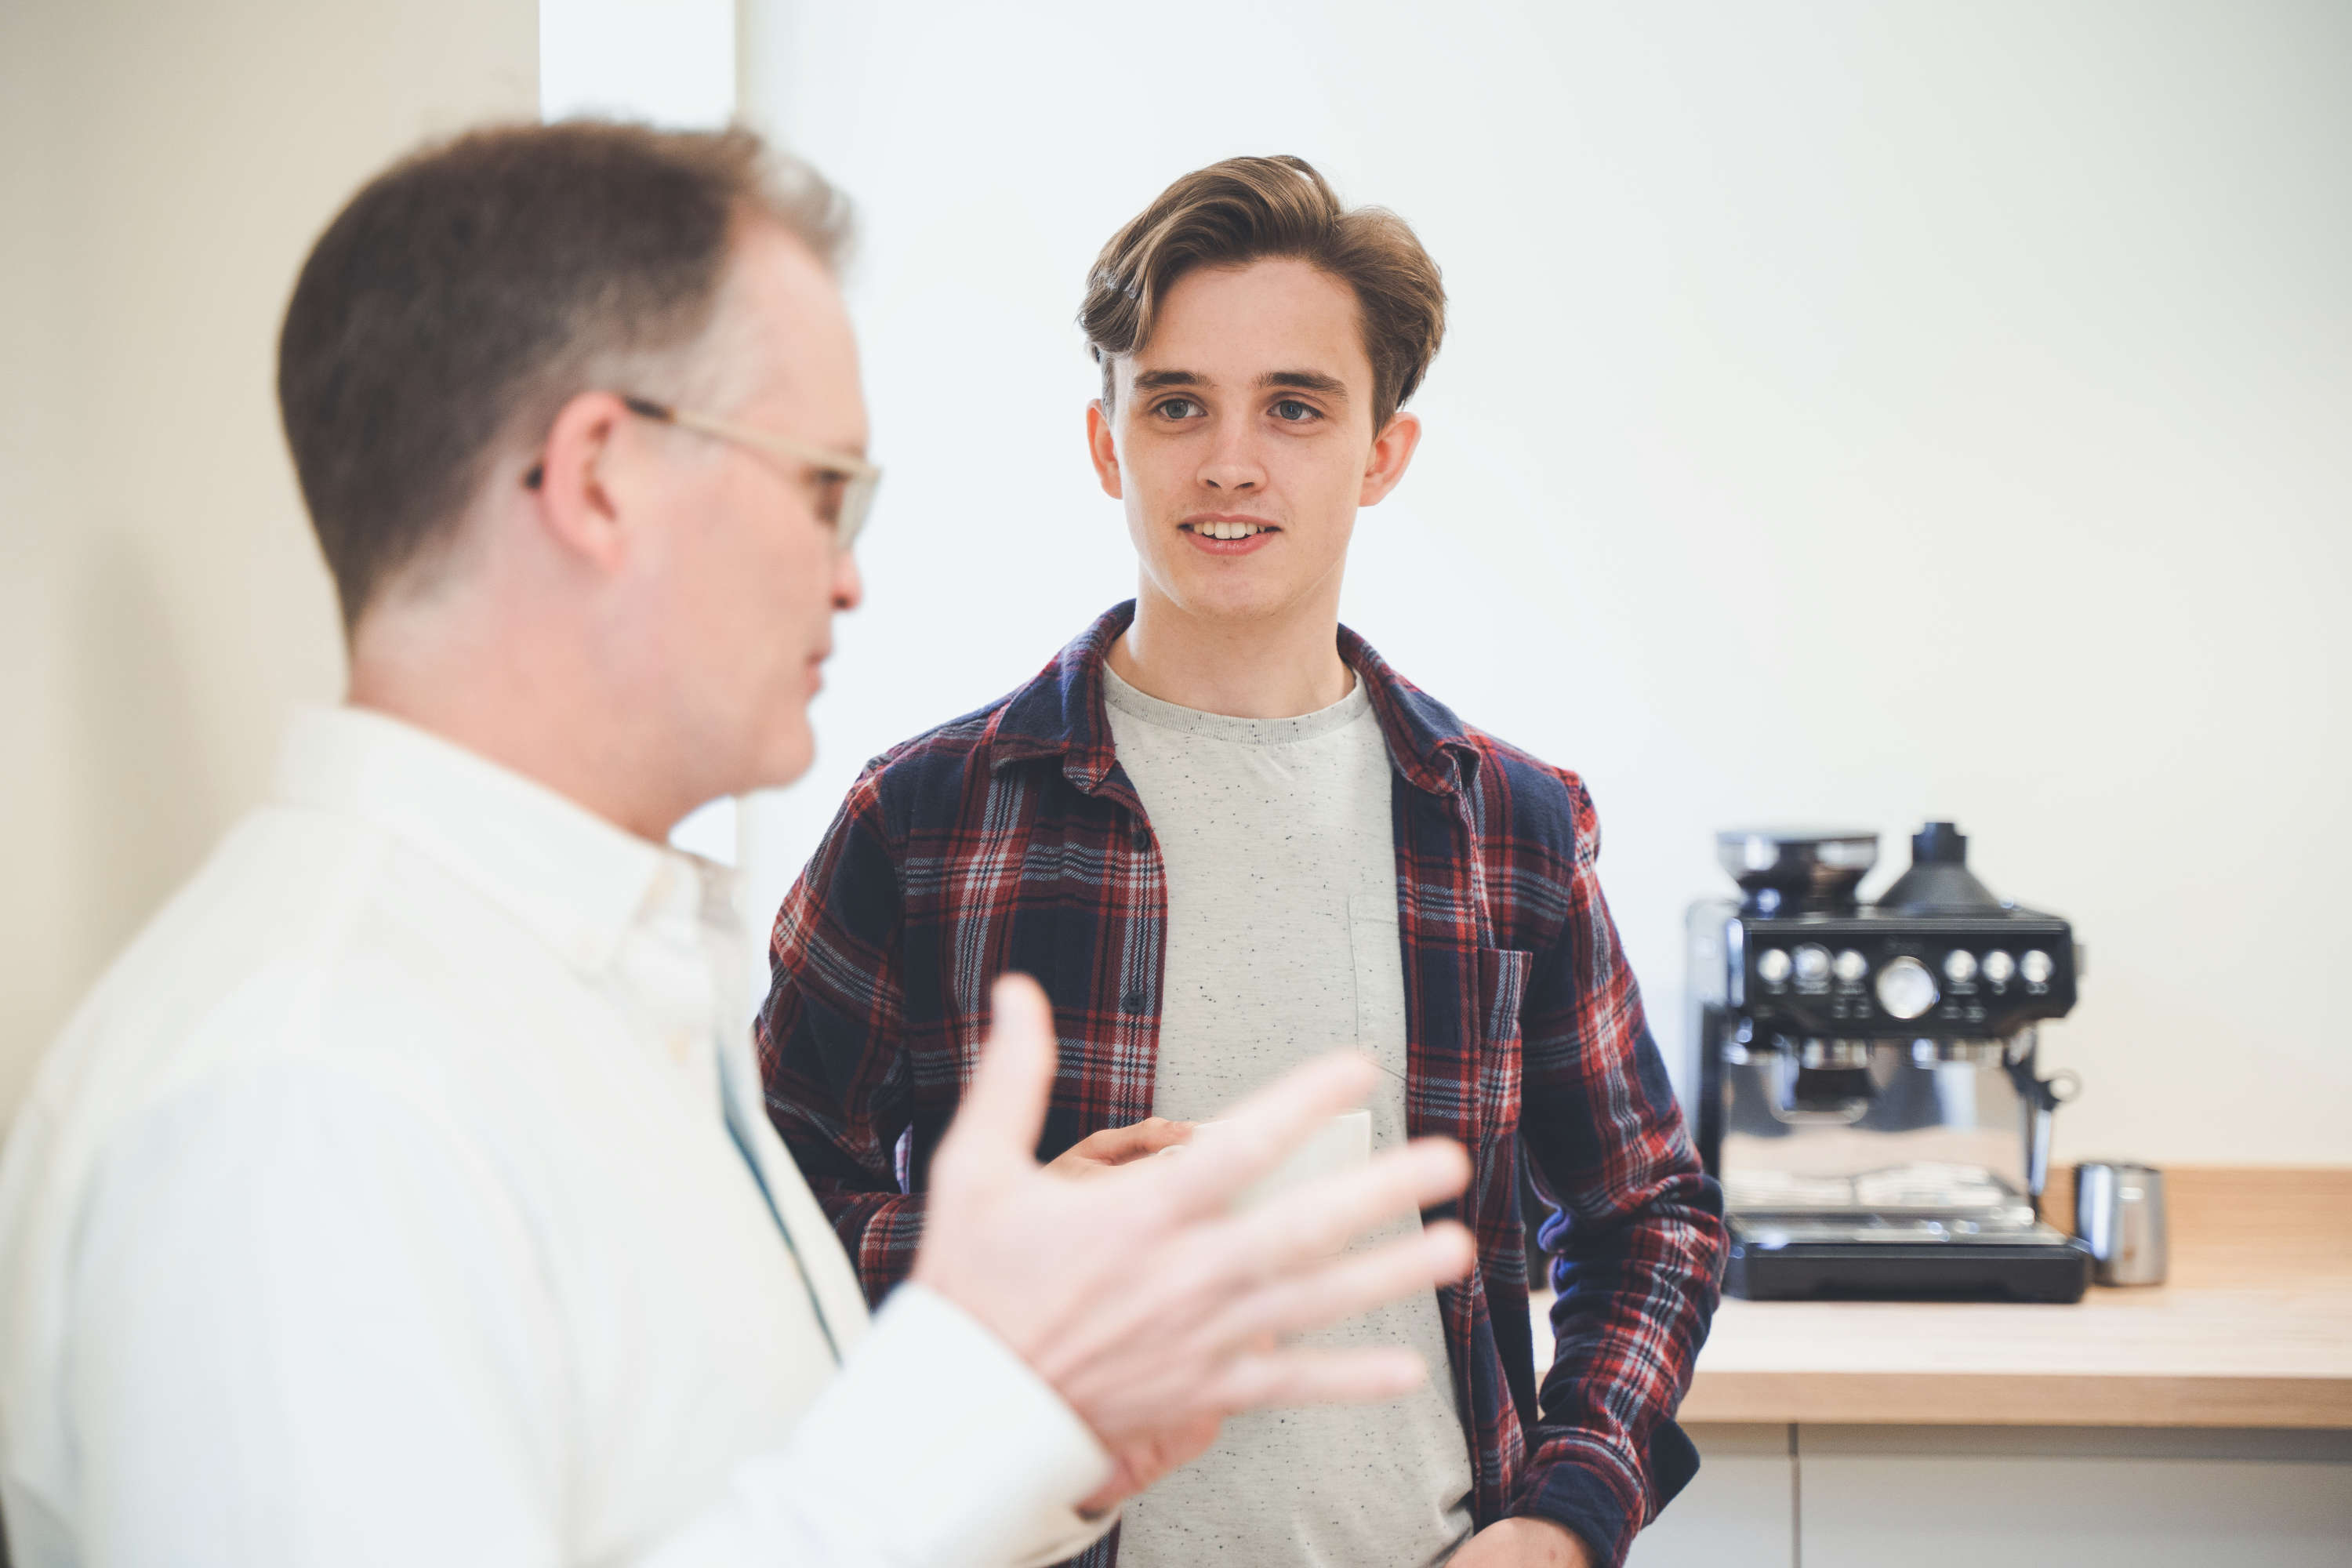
x: 1115, y: 1146
x: 1146, y: 1303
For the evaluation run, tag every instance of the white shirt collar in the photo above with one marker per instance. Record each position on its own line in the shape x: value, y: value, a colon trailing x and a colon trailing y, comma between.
x: 576, y: 881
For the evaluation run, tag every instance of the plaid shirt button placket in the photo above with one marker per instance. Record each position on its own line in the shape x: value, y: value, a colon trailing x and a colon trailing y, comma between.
x: 1010, y: 841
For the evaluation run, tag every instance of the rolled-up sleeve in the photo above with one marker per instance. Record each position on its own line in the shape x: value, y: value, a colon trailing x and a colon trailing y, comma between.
x: 1638, y: 1242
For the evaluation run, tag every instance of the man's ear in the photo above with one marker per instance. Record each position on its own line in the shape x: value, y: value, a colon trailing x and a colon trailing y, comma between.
x: 577, y: 504
x: 1102, y: 448
x: 1392, y: 452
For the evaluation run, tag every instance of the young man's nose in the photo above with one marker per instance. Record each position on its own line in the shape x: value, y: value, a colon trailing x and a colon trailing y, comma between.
x: 1232, y: 463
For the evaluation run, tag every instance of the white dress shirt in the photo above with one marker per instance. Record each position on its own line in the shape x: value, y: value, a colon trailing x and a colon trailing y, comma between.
x: 393, y: 1199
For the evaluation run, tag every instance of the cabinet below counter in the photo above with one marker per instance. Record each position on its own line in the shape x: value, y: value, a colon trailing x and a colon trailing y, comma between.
x: 1964, y: 1497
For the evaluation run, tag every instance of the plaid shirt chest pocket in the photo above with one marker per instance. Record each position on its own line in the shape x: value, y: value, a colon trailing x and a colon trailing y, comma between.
x: 1502, y: 988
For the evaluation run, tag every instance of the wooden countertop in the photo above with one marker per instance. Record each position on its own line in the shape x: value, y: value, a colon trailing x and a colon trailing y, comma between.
x: 2253, y: 1329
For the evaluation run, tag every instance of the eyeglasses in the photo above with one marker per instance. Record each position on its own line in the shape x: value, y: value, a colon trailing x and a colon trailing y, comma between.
x: 845, y: 499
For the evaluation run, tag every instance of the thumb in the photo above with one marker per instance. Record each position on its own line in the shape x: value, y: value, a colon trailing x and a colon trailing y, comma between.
x: 1005, y: 1107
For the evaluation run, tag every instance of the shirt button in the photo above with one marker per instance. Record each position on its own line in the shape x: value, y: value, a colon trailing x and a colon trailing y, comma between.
x: 1142, y: 835
x: 1133, y: 1002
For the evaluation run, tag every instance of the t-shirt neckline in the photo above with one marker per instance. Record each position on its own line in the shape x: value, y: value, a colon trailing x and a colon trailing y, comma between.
x: 1120, y: 694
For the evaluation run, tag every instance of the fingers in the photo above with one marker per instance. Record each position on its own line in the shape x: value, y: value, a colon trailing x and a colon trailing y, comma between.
x: 1439, y: 1254
x: 1118, y: 1146
x: 1266, y: 1129
x: 1316, y: 1377
x: 1005, y: 1109
x: 1151, y: 1136
x: 1115, y: 1146
x: 1321, y: 1217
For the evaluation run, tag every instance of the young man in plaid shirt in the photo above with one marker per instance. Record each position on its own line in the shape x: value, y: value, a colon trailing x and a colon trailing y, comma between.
x: 1225, y: 835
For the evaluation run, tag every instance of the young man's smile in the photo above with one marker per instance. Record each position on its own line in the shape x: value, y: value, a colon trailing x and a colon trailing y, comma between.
x: 1228, y: 533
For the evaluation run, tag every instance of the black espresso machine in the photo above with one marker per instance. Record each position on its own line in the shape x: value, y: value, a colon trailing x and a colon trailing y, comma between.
x: 1866, y: 1087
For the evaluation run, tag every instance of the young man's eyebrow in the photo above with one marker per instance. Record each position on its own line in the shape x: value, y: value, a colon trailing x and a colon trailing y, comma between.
x: 1314, y: 381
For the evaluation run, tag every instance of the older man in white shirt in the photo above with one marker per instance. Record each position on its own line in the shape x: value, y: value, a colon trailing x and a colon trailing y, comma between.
x: 403, y: 1194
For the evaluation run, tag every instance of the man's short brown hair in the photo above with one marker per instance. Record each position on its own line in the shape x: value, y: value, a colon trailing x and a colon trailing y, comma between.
x: 468, y: 293
x: 1252, y: 209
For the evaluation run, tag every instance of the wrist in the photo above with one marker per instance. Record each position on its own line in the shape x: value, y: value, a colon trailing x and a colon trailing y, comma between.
x: 1528, y: 1540
x: 1569, y: 1548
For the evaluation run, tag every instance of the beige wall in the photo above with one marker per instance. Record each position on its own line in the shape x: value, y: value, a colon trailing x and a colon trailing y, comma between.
x: 162, y: 604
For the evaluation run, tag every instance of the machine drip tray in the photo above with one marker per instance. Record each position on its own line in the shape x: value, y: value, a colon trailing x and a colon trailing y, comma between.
x: 2038, y: 1265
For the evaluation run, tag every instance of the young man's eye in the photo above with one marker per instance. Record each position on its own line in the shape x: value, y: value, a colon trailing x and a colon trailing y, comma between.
x: 1177, y: 408
x: 1290, y: 411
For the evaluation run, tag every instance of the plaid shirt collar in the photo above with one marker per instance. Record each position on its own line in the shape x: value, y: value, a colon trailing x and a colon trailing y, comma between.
x: 1060, y: 714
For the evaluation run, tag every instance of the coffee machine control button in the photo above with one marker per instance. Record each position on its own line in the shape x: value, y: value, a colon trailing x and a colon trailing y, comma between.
x: 1772, y: 966
x: 1960, y: 966
x: 2035, y: 967
x: 1813, y: 964
x: 1999, y: 966
x: 1905, y: 989
x: 1851, y: 966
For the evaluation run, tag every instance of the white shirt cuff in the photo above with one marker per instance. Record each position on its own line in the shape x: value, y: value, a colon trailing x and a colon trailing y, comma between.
x: 943, y: 1447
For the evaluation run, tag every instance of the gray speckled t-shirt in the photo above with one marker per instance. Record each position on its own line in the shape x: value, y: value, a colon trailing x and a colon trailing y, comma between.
x: 1282, y: 943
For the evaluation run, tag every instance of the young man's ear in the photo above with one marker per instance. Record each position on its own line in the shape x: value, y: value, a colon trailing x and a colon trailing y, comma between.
x: 577, y: 507
x: 1392, y: 452
x: 1102, y: 448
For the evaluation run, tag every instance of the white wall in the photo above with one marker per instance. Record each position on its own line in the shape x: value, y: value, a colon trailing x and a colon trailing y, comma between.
x: 161, y: 603
x: 1850, y: 413
x: 670, y: 62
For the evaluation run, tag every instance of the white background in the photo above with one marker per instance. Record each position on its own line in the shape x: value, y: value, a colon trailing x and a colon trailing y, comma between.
x: 1849, y: 413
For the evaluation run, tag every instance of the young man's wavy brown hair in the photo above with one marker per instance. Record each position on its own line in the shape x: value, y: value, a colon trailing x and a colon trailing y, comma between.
x: 1254, y: 209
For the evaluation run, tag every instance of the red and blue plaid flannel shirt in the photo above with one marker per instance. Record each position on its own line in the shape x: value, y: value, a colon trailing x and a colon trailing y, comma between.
x: 1010, y: 839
